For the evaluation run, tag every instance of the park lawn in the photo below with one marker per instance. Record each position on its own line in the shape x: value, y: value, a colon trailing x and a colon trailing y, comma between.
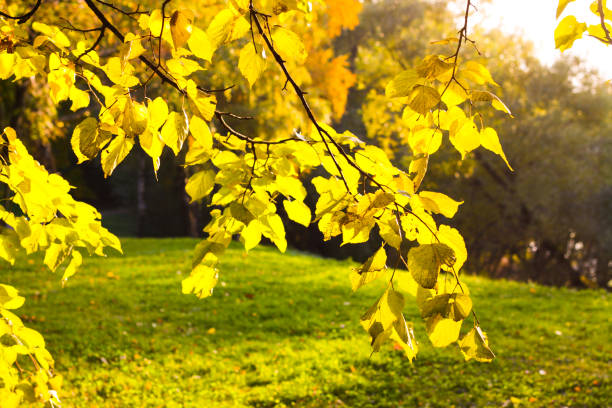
x: 283, y: 330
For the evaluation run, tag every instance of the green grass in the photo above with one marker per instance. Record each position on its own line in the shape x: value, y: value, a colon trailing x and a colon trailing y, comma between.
x: 284, y: 331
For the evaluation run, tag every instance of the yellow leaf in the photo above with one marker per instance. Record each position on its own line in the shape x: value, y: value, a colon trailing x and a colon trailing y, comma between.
x: 291, y: 187
x: 201, y: 133
x: 402, y: 84
x: 153, y: 145
x: 476, y: 345
x: 54, y: 256
x: 9, y: 298
x: 200, y: 184
x: 175, y: 131
x: 250, y: 63
x: 289, y: 45
x: 597, y: 31
x: 200, y: 44
x: 251, y: 235
x: 201, y: 281
x: 454, y: 94
x: 561, y: 6
x: 87, y: 140
x: 114, y: 154
x: 158, y: 113
x: 349, y: 173
x: 227, y: 26
x: 282, y: 6
x: 425, y: 141
x: 487, y: 96
x: 439, y: 203
x: 456, y: 306
x: 568, y: 31
x: 180, y: 28
x: 594, y: 7
x: 79, y: 98
x: 329, y: 225
x: 389, y: 232
x: 204, y: 103
x: 53, y: 34
x: 452, y: 238
x: 423, y: 98
x: 197, y: 154
x: 30, y: 337
x: 406, y: 283
x: 298, y: 211
x: 375, y: 161
x: 7, y: 62
x: 465, y: 138
x: 445, y: 41
x: 155, y: 23
x: 183, y: 67
x: 131, y: 49
x: 424, y: 262
x: 370, y: 270
x: 452, y: 118
x: 10, y: 399
x: 135, y: 118
x: 418, y: 166
x: 120, y: 73
x: 274, y: 230
x: 442, y: 331
x: 403, y: 333
x: 240, y: 212
x: 490, y: 141
x: 357, y: 230
x: 74, y: 264
x: 381, y: 316
x: 432, y: 67
x: 477, y: 73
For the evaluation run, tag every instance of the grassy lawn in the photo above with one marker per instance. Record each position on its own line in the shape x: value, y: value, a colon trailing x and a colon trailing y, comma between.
x: 284, y: 331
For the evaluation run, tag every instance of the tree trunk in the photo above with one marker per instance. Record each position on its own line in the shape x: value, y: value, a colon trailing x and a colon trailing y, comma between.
x: 141, y: 189
x: 189, y: 211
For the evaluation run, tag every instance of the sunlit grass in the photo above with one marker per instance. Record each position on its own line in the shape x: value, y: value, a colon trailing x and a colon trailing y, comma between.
x: 284, y: 331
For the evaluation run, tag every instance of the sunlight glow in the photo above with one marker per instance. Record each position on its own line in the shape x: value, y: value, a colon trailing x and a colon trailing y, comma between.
x: 535, y: 21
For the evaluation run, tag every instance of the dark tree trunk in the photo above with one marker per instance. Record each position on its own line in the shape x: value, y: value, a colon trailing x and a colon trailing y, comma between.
x: 189, y: 211
x: 141, y: 189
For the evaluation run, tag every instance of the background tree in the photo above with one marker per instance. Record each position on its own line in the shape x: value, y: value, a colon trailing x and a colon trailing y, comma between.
x: 558, y: 140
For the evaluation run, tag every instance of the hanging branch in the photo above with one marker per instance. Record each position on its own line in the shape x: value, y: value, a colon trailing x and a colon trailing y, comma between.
x: 324, y: 134
x: 253, y: 16
x: 600, y: 11
x: 25, y: 17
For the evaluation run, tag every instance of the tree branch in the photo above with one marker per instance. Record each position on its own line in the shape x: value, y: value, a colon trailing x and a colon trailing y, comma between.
x: 95, y: 44
x: 600, y: 11
x: 241, y: 136
x: 130, y: 14
x: 324, y: 134
x: 25, y: 17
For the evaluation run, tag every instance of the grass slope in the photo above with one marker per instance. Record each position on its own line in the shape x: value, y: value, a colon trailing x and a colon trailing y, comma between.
x: 284, y: 331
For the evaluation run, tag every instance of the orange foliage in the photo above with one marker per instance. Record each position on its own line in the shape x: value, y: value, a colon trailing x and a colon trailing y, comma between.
x: 332, y: 77
x: 342, y: 14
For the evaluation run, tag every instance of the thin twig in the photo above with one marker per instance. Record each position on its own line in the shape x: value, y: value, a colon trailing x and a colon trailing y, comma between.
x: 24, y: 17
x: 94, y: 45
